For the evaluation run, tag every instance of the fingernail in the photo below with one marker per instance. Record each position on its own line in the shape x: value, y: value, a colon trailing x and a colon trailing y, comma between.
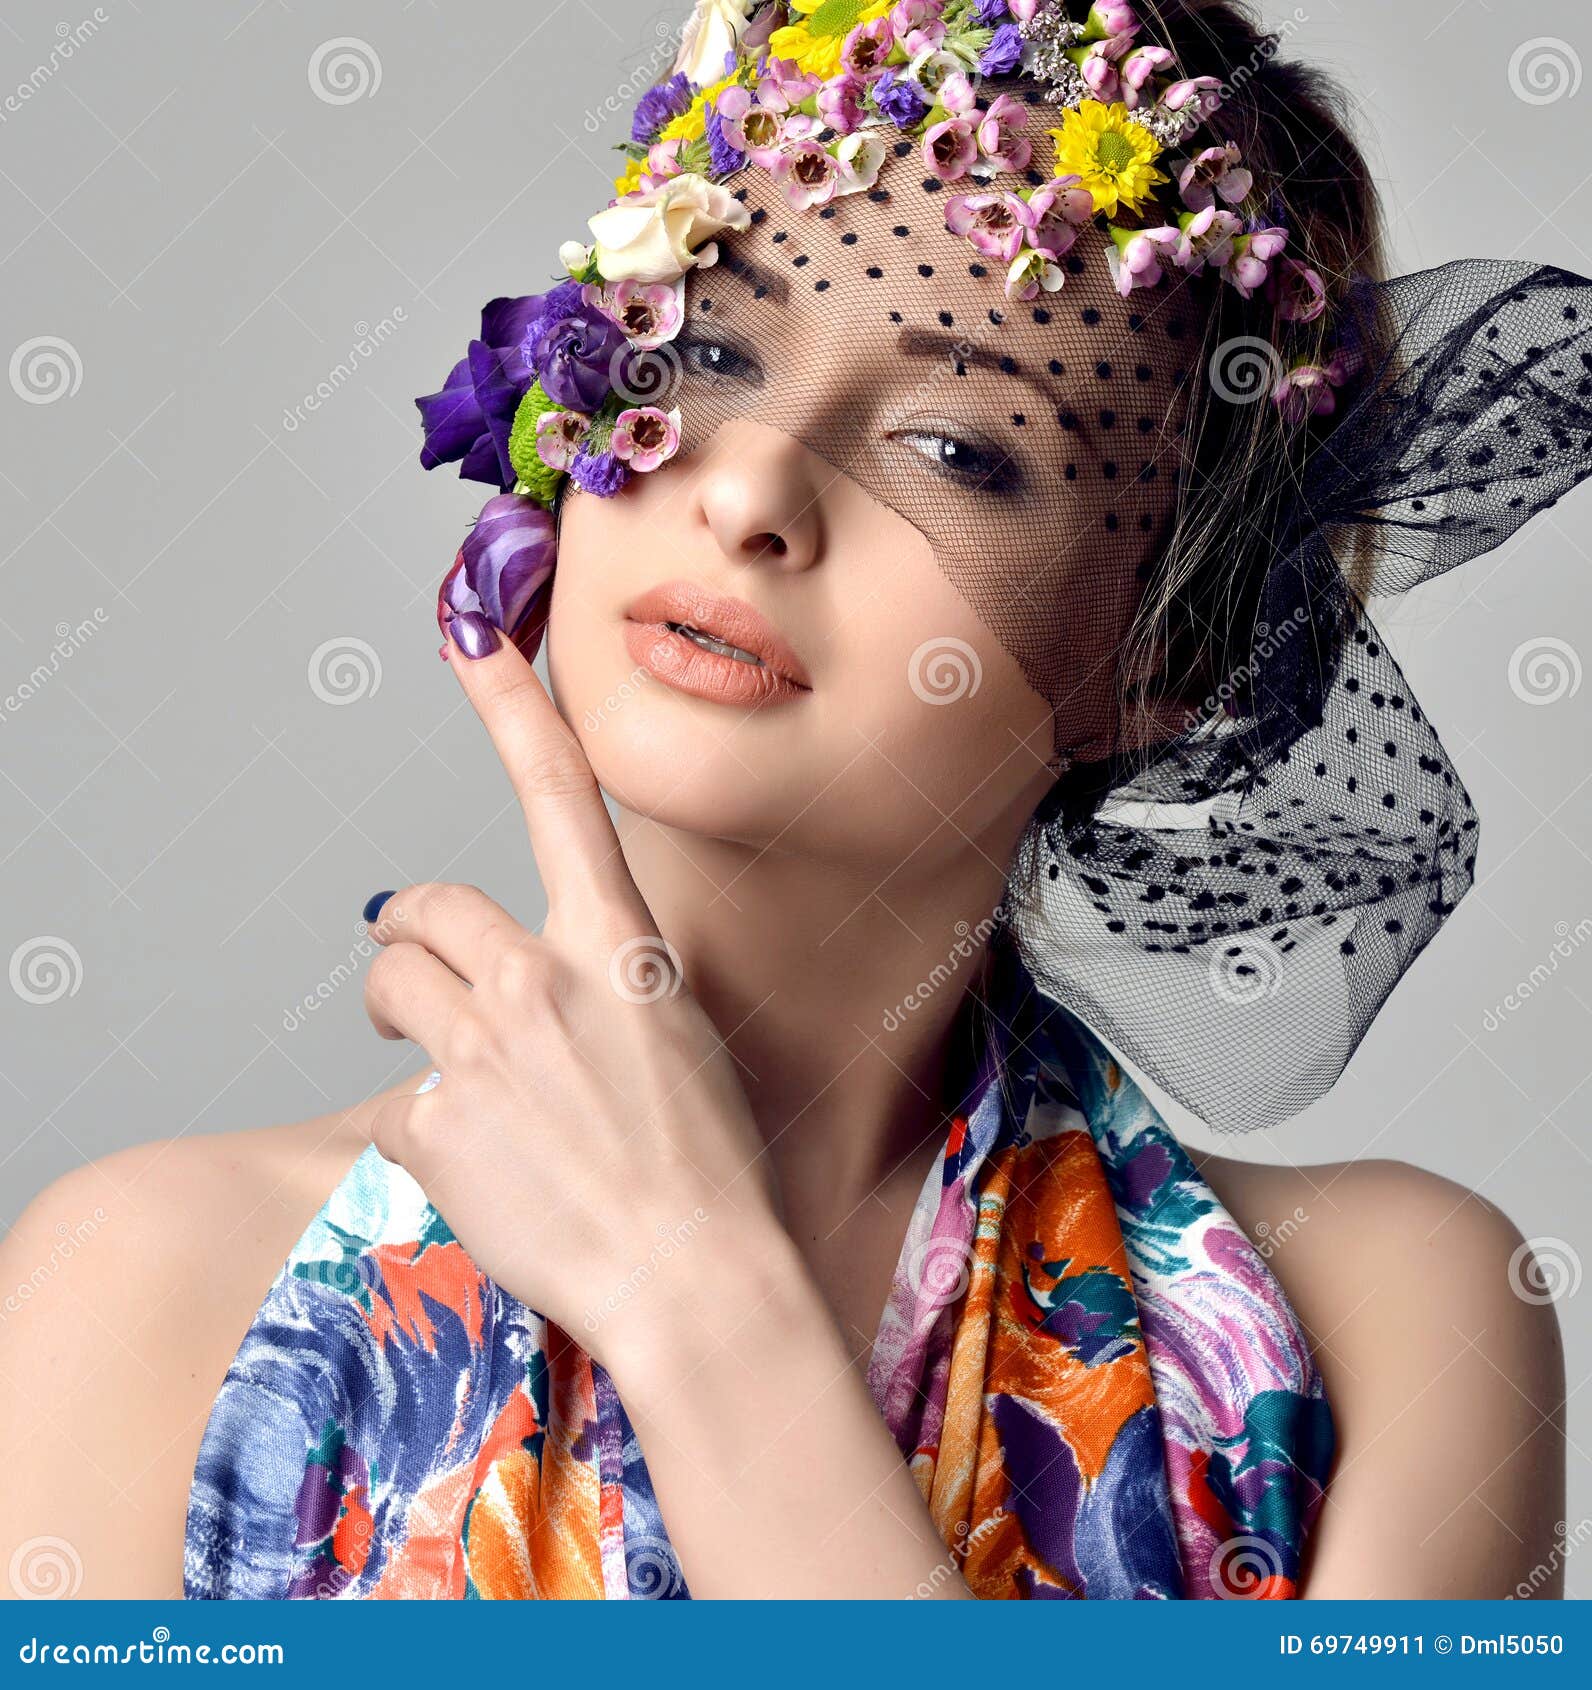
x: 374, y: 905
x: 473, y: 634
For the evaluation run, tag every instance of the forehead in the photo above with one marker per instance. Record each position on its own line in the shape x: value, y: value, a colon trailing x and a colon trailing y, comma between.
x: 879, y: 272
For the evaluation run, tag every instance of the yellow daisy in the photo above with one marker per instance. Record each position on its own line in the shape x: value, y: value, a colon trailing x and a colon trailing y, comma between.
x: 692, y: 123
x: 1114, y: 155
x: 815, y: 41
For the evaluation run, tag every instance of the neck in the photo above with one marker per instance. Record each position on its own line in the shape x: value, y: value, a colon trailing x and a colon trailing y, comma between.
x: 835, y: 990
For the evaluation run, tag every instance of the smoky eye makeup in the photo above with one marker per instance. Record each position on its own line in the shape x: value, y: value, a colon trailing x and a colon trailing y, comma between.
x: 962, y: 455
x: 705, y: 351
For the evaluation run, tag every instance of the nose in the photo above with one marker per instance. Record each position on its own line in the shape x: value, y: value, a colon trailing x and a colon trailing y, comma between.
x: 760, y: 494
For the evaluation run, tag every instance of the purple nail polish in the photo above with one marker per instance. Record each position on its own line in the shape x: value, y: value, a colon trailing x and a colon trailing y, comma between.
x: 473, y: 634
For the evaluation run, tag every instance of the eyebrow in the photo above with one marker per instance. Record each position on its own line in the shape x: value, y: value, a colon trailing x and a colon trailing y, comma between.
x: 763, y: 283
x: 960, y: 352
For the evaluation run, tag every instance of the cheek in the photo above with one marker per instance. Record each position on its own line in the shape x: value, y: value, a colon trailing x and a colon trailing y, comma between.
x: 949, y: 726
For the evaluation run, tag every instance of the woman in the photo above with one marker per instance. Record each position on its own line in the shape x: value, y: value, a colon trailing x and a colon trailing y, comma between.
x: 954, y: 642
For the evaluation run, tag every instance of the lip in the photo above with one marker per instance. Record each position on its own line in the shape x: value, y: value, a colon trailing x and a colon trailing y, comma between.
x: 667, y: 656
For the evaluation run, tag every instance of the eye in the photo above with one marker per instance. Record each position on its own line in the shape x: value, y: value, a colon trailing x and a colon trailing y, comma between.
x: 709, y: 356
x: 981, y: 465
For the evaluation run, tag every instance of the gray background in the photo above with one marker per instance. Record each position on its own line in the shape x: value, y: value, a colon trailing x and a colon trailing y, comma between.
x: 194, y: 805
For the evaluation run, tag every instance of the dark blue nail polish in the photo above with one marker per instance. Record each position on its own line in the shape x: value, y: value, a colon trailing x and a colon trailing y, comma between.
x: 473, y: 634
x: 374, y: 905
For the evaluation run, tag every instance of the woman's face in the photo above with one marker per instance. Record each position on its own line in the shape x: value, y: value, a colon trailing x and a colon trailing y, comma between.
x: 922, y: 509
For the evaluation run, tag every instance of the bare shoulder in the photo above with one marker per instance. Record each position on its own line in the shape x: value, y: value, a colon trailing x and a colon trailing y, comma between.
x: 125, y: 1289
x: 1434, y: 1328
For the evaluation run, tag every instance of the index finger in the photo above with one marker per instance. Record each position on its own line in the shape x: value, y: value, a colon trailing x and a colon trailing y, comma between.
x: 577, y: 850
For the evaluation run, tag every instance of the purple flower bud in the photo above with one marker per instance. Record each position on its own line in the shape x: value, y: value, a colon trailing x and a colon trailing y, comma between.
x: 600, y: 473
x: 503, y: 570
x: 575, y: 359
x: 1003, y: 52
x: 900, y: 100
x: 659, y: 106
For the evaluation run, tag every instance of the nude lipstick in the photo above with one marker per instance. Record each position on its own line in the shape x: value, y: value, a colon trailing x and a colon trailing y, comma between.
x: 711, y: 647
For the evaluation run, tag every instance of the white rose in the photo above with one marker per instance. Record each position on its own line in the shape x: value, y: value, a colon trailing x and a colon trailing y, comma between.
x: 660, y: 235
x: 716, y: 28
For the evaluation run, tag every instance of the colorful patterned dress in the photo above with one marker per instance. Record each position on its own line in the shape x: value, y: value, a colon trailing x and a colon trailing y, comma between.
x: 1096, y: 1381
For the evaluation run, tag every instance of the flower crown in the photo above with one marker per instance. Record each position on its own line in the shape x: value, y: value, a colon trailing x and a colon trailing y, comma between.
x: 817, y: 93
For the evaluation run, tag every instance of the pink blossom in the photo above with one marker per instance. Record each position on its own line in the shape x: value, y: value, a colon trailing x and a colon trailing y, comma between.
x: 1059, y: 210
x: 1098, y: 64
x: 867, y: 49
x: 858, y: 161
x: 1214, y: 174
x: 1135, y: 71
x: 950, y: 149
x: 1031, y: 273
x: 662, y: 163
x: 754, y: 127
x: 1307, y: 390
x: 1001, y: 134
x: 908, y: 15
x: 1249, y: 263
x: 784, y: 84
x: 1142, y: 256
x: 1207, y: 237
x: 1110, y: 17
x: 650, y: 313
x: 840, y: 103
x: 1025, y: 11
x: 646, y: 438
x: 1300, y: 293
x: 996, y: 223
x: 808, y: 174
x: 1204, y: 93
x: 958, y: 95
x: 558, y: 437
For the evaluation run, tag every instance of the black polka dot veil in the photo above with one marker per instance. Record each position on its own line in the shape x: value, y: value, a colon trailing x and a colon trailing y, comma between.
x: 1230, y: 905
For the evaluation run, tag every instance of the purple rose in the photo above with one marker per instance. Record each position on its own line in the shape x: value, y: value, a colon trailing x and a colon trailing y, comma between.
x: 1004, y: 52
x: 470, y: 417
x: 503, y: 569
x: 598, y: 472
x: 659, y: 106
x: 575, y: 359
x: 900, y: 100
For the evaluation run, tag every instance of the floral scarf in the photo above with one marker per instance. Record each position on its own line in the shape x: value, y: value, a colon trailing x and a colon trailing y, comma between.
x: 1096, y: 1381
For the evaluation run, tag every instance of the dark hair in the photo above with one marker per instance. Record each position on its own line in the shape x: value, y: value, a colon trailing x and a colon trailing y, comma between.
x: 1240, y: 462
